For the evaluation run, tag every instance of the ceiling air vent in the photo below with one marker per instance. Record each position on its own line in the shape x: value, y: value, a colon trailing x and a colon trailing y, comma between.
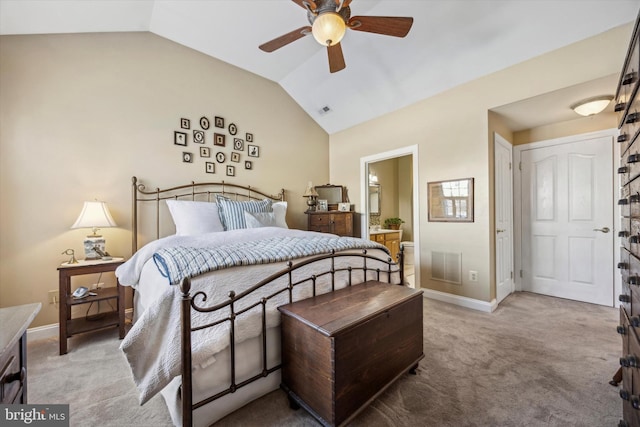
x: 325, y: 110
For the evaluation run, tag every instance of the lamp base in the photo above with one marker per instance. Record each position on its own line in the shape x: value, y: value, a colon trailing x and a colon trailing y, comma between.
x: 89, y: 243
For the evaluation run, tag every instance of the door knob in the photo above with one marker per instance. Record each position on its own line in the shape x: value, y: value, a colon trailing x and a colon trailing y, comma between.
x: 603, y: 229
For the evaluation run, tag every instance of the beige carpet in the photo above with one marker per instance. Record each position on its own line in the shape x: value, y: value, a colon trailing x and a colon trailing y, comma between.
x: 536, y: 361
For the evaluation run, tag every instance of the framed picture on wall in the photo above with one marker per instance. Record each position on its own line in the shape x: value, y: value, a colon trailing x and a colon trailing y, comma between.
x: 205, y: 152
x: 219, y: 122
x: 180, y: 138
x: 185, y: 123
x: 218, y: 139
x: 210, y: 167
x: 235, y: 157
x: 248, y: 164
x: 187, y: 157
x: 254, y: 151
x: 198, y: 136
x: 451, y: 201
x: 231, y: 170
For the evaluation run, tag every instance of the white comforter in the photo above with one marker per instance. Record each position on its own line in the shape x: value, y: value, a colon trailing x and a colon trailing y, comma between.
x: 152, y: 346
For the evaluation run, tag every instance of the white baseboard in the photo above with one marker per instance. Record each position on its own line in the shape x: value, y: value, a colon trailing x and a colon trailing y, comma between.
x: 53, y: 330
x: 43, y: 332
x: 466, y: 302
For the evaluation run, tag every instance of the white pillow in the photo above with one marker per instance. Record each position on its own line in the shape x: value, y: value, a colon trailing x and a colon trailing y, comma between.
x: 260, y: 219
x: 194, y: 218
x: 280, y: 209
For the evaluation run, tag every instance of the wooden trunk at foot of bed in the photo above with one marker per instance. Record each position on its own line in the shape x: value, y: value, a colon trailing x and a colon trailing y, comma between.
x: 188, y: 303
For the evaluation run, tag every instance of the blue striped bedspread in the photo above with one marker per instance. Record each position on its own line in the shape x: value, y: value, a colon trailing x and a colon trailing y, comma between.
x: 176, y: 263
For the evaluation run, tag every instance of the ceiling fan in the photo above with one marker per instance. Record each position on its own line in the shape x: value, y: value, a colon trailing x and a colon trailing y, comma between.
x: 329, y: 21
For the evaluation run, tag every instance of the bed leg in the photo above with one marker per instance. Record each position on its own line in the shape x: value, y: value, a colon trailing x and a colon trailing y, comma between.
x: 292, y: 403
x: 414, y: 370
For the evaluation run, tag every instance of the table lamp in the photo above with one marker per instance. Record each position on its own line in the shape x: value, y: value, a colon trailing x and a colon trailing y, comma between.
x: 312, y: 195
x: 94, y: 215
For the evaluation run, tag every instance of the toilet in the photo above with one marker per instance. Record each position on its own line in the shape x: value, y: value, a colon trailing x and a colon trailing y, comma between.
x: 409, y: 268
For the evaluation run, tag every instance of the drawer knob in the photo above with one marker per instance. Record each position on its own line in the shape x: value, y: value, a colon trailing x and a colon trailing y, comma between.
x: 635, y: 321
x: 623, y: 298
x: 634, y: 198
x: 622, y: 265
x: 20, y: 375
x: 632, y: 118
x: 620, y: 106
x: 629, y: 78
x: 623, y: 202
x: 623, y: 169
x: 621, y: 329
x: 633, y: 158
x: 624, y: 394
x: 623, y: 233
x: 633, y: 280
x: 623, y: 423
x: 634, y: 239
x: 622, y: 138
x: 635, y: 402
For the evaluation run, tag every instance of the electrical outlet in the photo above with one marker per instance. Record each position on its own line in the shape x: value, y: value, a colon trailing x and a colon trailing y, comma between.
x: 473, y: 276
x: 54, y: 297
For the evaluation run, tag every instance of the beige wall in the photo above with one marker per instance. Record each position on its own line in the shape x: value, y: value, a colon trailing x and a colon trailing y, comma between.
x: 81, y: 114
x: 452, y: 132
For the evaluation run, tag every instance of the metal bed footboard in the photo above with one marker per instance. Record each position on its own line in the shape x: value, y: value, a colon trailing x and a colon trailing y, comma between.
x: 191, y: 302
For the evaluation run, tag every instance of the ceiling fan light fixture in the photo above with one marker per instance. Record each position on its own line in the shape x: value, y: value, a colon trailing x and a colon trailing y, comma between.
x: 328, y: 28
x: 592, y: 106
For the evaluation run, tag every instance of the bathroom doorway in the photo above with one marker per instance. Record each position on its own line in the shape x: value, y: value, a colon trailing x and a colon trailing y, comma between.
x: 389, y: 189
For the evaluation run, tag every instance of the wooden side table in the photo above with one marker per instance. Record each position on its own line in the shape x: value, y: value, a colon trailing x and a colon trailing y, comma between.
x: 13, y: 351
x: 71, y: 326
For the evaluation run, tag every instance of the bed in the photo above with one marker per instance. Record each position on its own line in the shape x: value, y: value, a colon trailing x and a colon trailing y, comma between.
x: 206, y: 326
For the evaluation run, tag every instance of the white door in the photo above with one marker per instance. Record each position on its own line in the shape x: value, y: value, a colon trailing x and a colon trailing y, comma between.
x: 503, y: 183
x: 567, y: 218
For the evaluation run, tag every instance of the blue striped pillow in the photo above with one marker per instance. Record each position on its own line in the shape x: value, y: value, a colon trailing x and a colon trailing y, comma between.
x: 232, y: 211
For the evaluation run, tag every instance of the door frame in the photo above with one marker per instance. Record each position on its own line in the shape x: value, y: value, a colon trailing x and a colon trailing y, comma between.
x: 500, y: 140
x: 411, y: 150
x: 517, y: 199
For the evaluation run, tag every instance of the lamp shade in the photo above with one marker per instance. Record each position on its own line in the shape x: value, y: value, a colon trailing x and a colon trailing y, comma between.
x: 310, y: 191
x: 94, y: 215
x: 592, y: 106
x: 328, y: 28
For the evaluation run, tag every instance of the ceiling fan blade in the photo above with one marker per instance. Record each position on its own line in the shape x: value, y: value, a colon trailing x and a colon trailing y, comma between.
x: 301, y: 3
x: 385, y: 25
x: 285, y: 39
x: 336, y: 58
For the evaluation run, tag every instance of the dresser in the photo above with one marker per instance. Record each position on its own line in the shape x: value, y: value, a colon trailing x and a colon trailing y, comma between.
x: 388, y: 238
x: 342, y: 349
x: 335, y: 222
x: 627, y: 106
x: 13, y: 351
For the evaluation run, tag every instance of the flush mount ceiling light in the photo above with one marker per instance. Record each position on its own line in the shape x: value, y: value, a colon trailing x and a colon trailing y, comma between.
x: 592, y: 106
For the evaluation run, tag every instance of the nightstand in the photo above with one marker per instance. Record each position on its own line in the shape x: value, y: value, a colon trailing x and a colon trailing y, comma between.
x: 71, y: 326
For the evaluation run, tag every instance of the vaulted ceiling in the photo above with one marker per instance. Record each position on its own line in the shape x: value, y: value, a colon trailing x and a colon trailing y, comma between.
x: 451, y: 42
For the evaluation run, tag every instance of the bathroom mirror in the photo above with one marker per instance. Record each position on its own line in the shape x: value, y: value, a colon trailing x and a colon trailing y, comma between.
x: 374, y: 199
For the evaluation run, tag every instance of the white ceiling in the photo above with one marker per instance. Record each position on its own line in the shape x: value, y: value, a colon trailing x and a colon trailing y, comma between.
x: 451, y: 42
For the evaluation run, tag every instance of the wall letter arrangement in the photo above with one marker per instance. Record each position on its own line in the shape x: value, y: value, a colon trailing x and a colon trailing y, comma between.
x: 216, y: 146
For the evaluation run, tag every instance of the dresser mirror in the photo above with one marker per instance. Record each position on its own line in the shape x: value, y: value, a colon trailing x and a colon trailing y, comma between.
x: 333, y: 194
x: 374, y: 199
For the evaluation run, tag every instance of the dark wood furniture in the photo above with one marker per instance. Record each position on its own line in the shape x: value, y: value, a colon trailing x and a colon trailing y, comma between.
x: 341, y: 350
x: 13, y: 352
x: 70, y: 326
x: 627, y: 105
x: 335, y: 222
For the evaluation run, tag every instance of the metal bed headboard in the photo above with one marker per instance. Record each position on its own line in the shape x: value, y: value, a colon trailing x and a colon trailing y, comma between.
x: 206, y: 191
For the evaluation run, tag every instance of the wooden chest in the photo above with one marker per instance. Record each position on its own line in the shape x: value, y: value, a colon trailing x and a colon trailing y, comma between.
x: 336, y: 222
x: 341, y: 350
